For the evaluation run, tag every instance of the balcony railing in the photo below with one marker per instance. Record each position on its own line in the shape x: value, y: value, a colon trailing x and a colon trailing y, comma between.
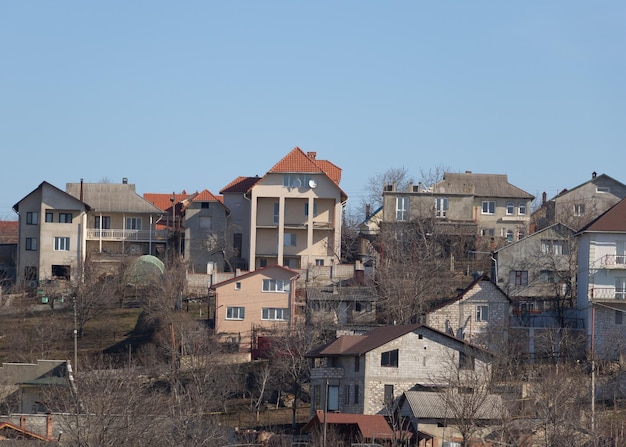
x: 607, y: 293
x: 126, y: 235
x: 613, y: 261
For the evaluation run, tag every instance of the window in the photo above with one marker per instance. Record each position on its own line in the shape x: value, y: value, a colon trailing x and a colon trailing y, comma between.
x: 32, y: 218
x: 356, y: 394
x: 521, y: 209
x: 620, y: 288
x: 389, y: 359
x: 103, y: 222
x: 466, y: 361
x: 510, y: 208
x: 274, y: 314
x: 317, y: 394
x: 603, y: 189
x: 402, y: 207
x: 547, y: 276
x: 263, y: 262
x: 489, y: 207
x: 133, y: 223
x: 357, y: 363
x: 487, y: 232
x: 319, y: 262
x: 554, y: 247
x: 518, y: 277
x: 290, y: 263
x: 333, y: 398
x: 290, y: 239
x: 238, y: 285
x: 619, y: 317
x: 61, y: 271
x: 346, y: 394
x: 31, y: 243
x: 441, y: 206
x: 62, y: 244
x: 520, y: 235
x: 237, y: 243
x: 65, y: 217
x: 276, y: 212
x: 388, y: 394
x: 275, y: 285
x: 204, y: 205
x: 482, y: 313
x: 49, y: 216
x: 306, y: 209
x: 235, y: 313
x: 579, y: 209
x: 509, y: 235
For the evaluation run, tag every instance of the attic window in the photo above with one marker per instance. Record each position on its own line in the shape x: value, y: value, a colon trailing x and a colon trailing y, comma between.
x: 603, y: 189
x: 204, y: 205
x: 389, y: 359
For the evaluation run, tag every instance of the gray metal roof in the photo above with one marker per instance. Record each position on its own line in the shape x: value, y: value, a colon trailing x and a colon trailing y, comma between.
x: 480, y: 185
x: 112, y: 197
x: 432, y: 405
x: 341, y: 294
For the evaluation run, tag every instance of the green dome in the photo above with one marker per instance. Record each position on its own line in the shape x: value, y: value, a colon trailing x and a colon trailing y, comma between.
x: 145, y: 270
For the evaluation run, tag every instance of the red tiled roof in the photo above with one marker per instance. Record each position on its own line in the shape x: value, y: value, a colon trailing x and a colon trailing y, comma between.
x: 370, y: 425
x: 9, y: 231
x: 298, y: 161
x: 240, y: 184
x: 332, y: 170
x: 164, y: 201
x: 612, y: 220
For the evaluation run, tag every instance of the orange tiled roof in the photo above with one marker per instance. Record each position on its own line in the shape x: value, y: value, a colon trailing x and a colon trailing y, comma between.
x: 207, y: 196
x: 240, y: 184
x: 298, y: 161
x: 164, y: 201
x: 9, y: 231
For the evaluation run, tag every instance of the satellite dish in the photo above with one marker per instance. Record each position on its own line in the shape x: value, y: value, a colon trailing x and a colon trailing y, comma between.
x: 297, y: 183
x: 312, y: 184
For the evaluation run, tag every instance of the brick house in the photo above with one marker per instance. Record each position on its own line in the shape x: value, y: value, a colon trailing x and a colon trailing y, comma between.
x: 367, y: 373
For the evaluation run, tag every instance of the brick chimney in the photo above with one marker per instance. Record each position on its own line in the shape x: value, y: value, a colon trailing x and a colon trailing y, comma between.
x: 311, y: 155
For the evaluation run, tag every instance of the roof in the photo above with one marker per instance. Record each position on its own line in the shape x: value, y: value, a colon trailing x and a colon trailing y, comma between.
x: 370, y: 425
x: 432, y: 405
x: 45, y: 184
x: 351, y: 293
x: 164, y: 201
x: 612, y: 220
x: 240, y: 185
x: 594, y: 179
x: 9, y: 231
x: 294, y: 273
x: 111, y: 197
x: 482, y: 278
x: 481, y: 185
x: 12, y: 431
x: 361, y: 344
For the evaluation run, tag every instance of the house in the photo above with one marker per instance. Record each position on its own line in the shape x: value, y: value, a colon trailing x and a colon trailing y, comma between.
x: 349, y: 428
x: 292, y: 215
x: 202, y: 222
x: 59, y: 229
x: 469, y: 212
x: 253, y: 303
x: 578, y: 206
x: 538, y: 273
x: 479, y: 314
x: 8, y: 251
x: 342, y: 306
x: 367, y: 373
x: 602, y: 282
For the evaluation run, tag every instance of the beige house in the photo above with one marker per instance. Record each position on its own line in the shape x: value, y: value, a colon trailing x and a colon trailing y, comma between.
x: 252, y: 303
x: 292, y: 215
x: 367, y: 373
x: 59, y: 230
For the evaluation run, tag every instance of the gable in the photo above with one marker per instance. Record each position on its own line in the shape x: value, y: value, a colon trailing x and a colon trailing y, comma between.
x: 112, y: 197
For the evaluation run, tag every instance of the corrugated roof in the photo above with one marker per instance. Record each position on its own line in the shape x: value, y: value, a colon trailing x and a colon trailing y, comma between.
x: 9, y: 231
x: 111, y: 197
x: 480, y: 185
x: 371, y: 426
x: 612, y: 220
x: 433, y: 405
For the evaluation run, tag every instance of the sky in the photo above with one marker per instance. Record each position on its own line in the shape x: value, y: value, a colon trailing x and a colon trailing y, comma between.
x: 189, y: 95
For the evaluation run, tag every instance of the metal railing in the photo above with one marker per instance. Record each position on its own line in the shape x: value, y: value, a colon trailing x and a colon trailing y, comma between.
x: 121, y: 234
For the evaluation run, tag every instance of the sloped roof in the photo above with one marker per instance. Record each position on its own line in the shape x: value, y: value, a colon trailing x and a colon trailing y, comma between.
x: 370, y: 425
x: 240, y: 185
x: 164, y: 201
x: 45, y: 184
x: 9, y: 231
x: 262, y: 270
x: 12, y: 431
x: 111, y: 197
x: 480, y: 185
x: 350, y: 293
x: 464, y: 292
x: 612, y: 220
x: 361, y: 344
x: 537, y: 233
x: 432, y: 405
x: 594, y: 179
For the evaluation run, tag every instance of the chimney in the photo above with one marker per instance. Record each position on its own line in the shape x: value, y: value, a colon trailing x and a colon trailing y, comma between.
x: 419, y: 187
x: 368, y: 210
x: 544, y: 198
x: 81, y: 190
x: 311, y: 155
x: 125, y: 181
x: 593, y: 174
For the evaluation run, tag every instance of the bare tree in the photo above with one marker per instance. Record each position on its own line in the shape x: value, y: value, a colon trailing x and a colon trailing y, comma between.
x: 375, y: 184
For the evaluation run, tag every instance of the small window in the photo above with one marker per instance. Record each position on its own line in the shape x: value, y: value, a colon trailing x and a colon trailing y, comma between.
x: 357, y: 363
x: 49, y: 216
x: 603, y: 189
x: 204, y: 205
x: 388, y: 394
x: 389, y: 359
x: 235, y: 313
x: 238, y: 285
x: 346, y: 394
x: 319, y: 262
x: 306, y: 209
x: 275, y: 285
x: 31, y: 244
x: 579, y: 209
x: 509, y: 235
x: 276, y: 212
x: 356, y: 393
x: 263, y: 262
x: 32, y: 218
x: 482, y: 313
x: 274, y: 314
x: 489, y: 207
x: 466, y: 361
x: 62, y: 244
x: 518, y: 277
x: 65, y: 217
x: 290, y: 239
x: 61, y: 272
x: 402, y: 208
x: 521, y: 209
x: 441, y: 207
x: 510, y: 208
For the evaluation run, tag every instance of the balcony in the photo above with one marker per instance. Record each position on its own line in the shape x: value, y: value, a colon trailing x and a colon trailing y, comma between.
x: 126, y: 235
x: 607, y: 293
x: 327, y: 373
x: 613, y: 262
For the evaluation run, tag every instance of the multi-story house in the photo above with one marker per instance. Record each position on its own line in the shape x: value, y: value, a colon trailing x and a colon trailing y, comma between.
x: 578, y: 206
x: 8, y: 252
x: 470, y: 212
x: 293, y: 212
x: 252, y: 304
x: 479, y: 314
x: 602, y: 282
x: 202, y: 221
x: 367, y: 373
x: 103, y: 221
x: 342, y: 307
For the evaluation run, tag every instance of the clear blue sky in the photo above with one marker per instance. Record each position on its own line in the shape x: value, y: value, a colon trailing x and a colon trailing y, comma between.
x: 188, y: 95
